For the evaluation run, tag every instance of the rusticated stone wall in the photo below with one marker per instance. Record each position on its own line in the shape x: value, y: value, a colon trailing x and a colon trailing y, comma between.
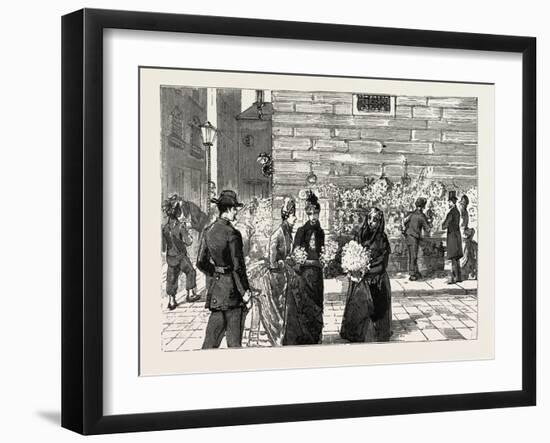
x: 435, y: 134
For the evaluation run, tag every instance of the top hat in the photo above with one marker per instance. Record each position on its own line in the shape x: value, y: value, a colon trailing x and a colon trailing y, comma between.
x: 227, y: 198
x: 452, y: 196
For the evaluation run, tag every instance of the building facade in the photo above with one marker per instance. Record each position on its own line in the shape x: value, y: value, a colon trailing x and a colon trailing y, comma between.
x: 183, y: 155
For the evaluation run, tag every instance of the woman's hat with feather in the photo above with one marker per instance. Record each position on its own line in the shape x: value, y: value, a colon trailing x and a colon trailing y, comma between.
x: 312, y: 203
x: 288, y: 208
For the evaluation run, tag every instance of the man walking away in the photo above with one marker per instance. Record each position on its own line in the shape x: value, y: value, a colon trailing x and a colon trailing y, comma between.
x: 414, y: 224
x: 221, y: 258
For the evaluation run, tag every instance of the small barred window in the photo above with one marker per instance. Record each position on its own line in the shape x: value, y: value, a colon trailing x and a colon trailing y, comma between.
x: 373, y: 104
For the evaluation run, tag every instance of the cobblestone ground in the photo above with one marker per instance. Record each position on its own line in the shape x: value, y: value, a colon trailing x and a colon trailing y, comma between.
x: 427, y: 310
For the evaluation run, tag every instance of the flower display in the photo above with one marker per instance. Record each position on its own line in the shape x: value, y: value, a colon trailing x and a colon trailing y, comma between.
x: 396, y: 201
x: 299, y: 255
x: 328, y: 252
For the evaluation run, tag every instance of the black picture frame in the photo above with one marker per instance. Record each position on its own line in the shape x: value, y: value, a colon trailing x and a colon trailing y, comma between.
x: 82, y: 220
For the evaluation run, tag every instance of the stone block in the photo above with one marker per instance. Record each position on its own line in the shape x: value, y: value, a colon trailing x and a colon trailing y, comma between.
x: 330, y: 145
x: 333, y: 97
x: 455, y: 149
x: 365, y: 146
x: 347, y: 134
x: 292, y: 143
x: 282, y: 131
x: 291, y: 96
x: 321, y: 108
x: 426, y: 134
x: 386, y: 134
x: 281, y: 154
x: 459, y: 137
x: 453, y: 102
x: 426, y: 112
x: 343, y: 108
x: 283, y: 106
x: 289, y: 167
x: 407, y: 147
x: 403, y: 112
x: 460, y: 114
x: 412, y: 101
x: 453, y: 125
x: 405, y: 123
x: 312, y: 132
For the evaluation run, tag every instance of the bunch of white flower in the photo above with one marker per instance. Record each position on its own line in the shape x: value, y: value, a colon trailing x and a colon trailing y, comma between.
x: 355, y: 260
x: 328, y: 252
x: 299, y: 255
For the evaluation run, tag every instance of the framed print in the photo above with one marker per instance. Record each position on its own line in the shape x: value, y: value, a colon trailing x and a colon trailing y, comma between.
x: 248, y: 213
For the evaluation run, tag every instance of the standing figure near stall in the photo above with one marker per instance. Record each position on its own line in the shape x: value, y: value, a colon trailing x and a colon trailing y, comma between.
x: 221, y: 258
x: 454, y: 239
x: 414, y: 225
x: 368, y: 315
x: 464, y: 216
x: 175, y: 241
x: 304, y: 311
x: 468, y: 262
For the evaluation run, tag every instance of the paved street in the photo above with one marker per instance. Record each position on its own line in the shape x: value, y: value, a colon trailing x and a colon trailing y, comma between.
x: 427, y: 310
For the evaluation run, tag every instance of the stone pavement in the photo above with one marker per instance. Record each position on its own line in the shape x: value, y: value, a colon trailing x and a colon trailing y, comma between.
x: 427, y: 310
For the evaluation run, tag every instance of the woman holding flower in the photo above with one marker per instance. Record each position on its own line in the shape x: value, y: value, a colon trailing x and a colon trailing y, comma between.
x: 273, y: 300
x: 367, y: 316
x: 304, y: 311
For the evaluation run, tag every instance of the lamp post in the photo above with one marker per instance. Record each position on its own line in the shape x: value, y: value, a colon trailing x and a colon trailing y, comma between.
x: 208, y: 136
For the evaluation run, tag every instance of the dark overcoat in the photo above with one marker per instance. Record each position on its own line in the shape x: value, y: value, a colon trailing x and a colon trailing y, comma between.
x: 221, y: 258
x: 454, y: 238
x: 415, y: 223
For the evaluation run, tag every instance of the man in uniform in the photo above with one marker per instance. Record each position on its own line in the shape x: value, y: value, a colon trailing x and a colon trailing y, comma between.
x: 414, y: 224
x: 221, y: 258
x: 454, y: 239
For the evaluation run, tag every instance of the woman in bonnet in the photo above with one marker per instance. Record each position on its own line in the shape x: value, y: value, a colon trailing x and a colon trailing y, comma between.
x: 273, y: 298
x: 304, y: 312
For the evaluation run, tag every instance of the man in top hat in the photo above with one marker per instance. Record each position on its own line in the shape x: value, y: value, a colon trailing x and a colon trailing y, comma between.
x: 414, y: 224
x: 221, y: 258
x: 454, y: 238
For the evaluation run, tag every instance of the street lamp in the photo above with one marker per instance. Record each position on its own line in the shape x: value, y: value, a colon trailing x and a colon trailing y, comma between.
x: 208, y: 136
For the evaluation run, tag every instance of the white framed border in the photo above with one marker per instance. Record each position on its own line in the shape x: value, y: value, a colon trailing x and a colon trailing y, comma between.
x: 153, y: 361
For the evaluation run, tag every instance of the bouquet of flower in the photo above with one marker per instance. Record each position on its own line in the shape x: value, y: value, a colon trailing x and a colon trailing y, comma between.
x: 355, y: 260
x: 299, y: 255
x: 328, y: 252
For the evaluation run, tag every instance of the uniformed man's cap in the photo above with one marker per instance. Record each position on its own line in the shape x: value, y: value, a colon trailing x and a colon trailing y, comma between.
x: 228, y: 198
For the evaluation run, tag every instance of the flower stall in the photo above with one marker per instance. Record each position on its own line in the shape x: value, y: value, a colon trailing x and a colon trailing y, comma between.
x: 349, y: 208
